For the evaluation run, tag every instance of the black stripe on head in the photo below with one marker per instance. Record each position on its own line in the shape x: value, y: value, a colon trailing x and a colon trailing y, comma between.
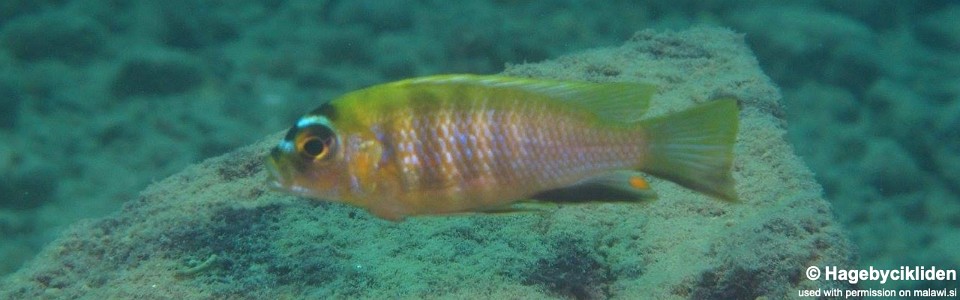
x: 292, y: 133
x: 326, y: 110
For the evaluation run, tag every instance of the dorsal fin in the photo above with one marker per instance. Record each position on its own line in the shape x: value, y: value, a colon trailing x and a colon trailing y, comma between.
x: 617, y: 101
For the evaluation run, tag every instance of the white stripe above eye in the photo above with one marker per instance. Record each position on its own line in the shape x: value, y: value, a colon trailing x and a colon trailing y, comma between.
x: 313, y: 120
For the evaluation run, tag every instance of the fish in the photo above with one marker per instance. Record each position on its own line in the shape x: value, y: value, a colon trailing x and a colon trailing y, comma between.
x: 464, y: 143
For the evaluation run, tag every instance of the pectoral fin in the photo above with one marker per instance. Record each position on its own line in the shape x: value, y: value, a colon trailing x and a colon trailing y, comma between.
x: 368, y: 157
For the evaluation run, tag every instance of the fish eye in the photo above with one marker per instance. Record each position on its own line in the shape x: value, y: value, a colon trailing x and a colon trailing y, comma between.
x: 314, y: 147
x: 316, y: 142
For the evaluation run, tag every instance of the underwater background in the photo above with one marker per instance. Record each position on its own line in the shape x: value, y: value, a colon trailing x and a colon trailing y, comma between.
x: 100, y: 98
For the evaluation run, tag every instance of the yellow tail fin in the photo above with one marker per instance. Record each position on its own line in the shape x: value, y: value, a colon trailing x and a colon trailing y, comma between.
x: 694, y: 148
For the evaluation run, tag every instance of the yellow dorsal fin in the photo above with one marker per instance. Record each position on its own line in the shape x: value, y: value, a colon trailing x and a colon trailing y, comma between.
x: 616, y: 101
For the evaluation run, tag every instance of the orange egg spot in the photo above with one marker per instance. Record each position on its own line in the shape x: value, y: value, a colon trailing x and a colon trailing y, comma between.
x: 639, y: 183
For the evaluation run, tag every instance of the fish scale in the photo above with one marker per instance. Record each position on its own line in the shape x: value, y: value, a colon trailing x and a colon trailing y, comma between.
x: 558, y: 146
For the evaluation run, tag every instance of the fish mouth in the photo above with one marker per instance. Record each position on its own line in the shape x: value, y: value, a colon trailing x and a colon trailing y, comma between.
x: 279, y: 175
x: 275, y: 178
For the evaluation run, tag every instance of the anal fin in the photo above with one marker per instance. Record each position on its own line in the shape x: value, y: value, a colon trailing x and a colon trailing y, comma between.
x: 622, y: 185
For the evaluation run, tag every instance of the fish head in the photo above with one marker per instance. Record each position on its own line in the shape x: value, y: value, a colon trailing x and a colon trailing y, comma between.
x: 309, y: 160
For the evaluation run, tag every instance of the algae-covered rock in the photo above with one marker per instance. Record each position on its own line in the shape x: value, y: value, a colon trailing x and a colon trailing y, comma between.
x: 216, y: 231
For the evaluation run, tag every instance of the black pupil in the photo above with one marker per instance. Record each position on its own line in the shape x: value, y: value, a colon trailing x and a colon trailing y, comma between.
x: 315, y: 141
x: 314, y: 147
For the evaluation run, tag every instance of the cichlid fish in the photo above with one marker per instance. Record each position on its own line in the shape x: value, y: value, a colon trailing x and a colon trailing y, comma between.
x: 469, y: 143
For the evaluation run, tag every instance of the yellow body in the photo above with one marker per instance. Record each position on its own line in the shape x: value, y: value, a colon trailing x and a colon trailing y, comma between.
x: 457, y: 143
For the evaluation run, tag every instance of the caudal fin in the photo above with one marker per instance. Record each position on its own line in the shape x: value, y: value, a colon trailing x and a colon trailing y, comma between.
x: 694, y: 148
